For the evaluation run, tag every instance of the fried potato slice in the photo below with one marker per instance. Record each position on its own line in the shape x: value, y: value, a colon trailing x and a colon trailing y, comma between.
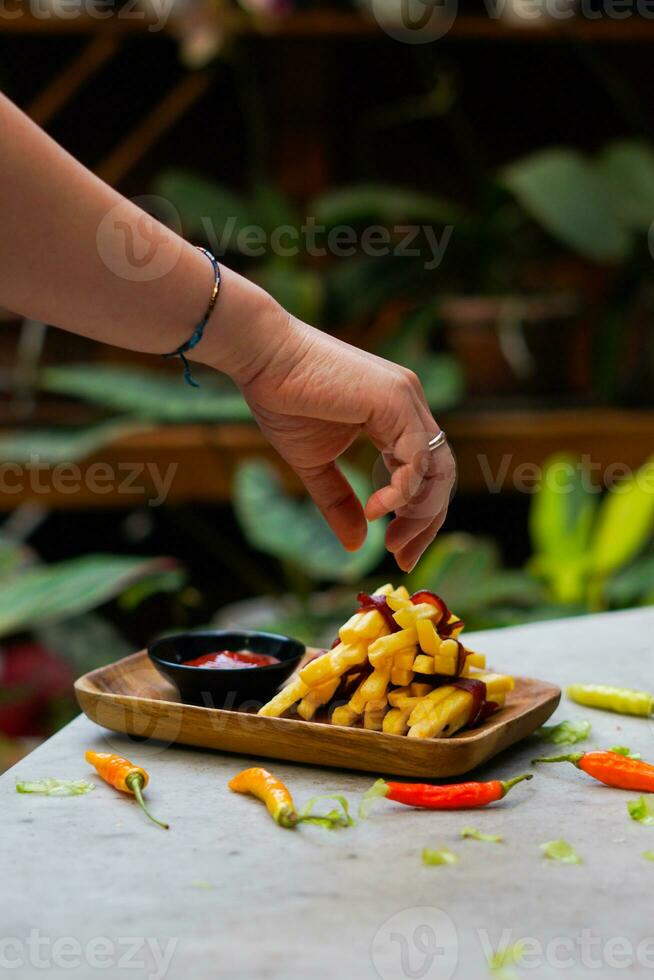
x: 284, y: 699
x: 425, y: 705
x: 316, y: 697
x: 495, y: 683
x: 424, y: 664
x: 428, y: 638
x: 451, y: 709
x: 387, y: 646
x: 334, y: 663
x: 408, y: 617
x: 373, y: 716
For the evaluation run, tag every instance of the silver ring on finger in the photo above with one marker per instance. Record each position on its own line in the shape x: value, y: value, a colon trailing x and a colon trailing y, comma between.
x: 437, y: 441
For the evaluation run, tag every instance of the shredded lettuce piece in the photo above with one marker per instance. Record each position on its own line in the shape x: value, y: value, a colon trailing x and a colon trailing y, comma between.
x: 335, y: 818
x: 500, y: 962
x: 55, y: 787
x: 470, y: 832
x: 370, y: 797
x: 642, y: 810
x: 565, y: 733
x: 625, y: 750
x: 560, y: 850
x: 444, y: 856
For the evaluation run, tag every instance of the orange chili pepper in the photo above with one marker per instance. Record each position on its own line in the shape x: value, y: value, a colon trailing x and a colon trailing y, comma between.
x: 270, y: 790
x: 611, y: 768
x: 124, y: 776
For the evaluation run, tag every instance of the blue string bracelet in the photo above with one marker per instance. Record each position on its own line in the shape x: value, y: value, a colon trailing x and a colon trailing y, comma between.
x: 198, y: 333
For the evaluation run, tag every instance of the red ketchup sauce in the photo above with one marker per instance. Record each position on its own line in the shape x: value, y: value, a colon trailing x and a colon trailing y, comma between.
x: 232, y: 660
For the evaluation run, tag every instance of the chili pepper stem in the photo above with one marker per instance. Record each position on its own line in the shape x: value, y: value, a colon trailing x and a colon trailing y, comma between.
x: 135, y: 784
x: 574, y: 758
x: 510, y: 783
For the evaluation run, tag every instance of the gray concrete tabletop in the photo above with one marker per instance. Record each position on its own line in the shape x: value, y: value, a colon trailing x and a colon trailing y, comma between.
x: 90, y: 888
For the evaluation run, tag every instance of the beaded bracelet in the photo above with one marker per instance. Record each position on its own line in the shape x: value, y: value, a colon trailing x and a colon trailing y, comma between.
x: 198, y: 333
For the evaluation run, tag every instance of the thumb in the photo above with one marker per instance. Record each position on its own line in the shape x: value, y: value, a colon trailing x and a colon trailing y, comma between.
x: 337, y: 502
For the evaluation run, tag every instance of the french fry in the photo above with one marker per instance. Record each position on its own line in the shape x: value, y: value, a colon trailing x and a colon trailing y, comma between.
x: 408, y: 697
x: 344, y: 715
x: 396, y: 721
x: 457, y: 632
x: 425, y: 705
x: 365, y: 624
x: 401, y: 671
x: 333, y: 664
x: 397, y: 697
x: 363, y: 627
x: 495, y: 683
x: 316, y: 697
x: 386, y: 646
x: 285, y: 699
x: 424, y: 664
x: 402, y: 592
x: 477, y: 660
x: 397, y: 602
x: 408, y: 617
x: 442, y: 715
x: 373, y: 716
x: 428, y: 638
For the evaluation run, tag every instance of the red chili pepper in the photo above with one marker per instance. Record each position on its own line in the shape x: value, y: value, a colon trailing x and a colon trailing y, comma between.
x: 460, y: 796
x: 611, y: 768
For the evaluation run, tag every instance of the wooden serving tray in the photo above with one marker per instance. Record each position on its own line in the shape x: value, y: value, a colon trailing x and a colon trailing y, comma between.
x: 131, y: 696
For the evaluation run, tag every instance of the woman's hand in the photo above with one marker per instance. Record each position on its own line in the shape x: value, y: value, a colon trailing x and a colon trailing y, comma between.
x: 312, y: 395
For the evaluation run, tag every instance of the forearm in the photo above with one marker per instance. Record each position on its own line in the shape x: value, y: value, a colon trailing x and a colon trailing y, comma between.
x: 73, y: 254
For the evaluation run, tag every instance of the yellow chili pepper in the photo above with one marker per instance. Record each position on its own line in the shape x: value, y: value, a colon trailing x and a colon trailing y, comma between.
x: 619, y: 699
x: 123, y: 775
x: 270, y: 790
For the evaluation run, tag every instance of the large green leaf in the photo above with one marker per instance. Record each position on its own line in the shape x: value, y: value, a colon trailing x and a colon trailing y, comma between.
x: 633, y: 584
x: 273, y: 209
x: 625, y: 522
x: 64, y: 445
x: 441, y: 377
x: 50, y: 593
x: 566, y: 194
x: 150, y: 395
x: 466, y: 572
x: 440, y: 374
x: 294, y: 530
x: 85, y: 642
x: 207, y: 209
x: 560, y: 523
x: 298, y: 290
x: 627, y: 167
x: 563, y: 510
x: 384, y: 204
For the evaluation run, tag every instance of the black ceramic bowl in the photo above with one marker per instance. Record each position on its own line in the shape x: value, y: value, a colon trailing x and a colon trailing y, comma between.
x: 243, y: 687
